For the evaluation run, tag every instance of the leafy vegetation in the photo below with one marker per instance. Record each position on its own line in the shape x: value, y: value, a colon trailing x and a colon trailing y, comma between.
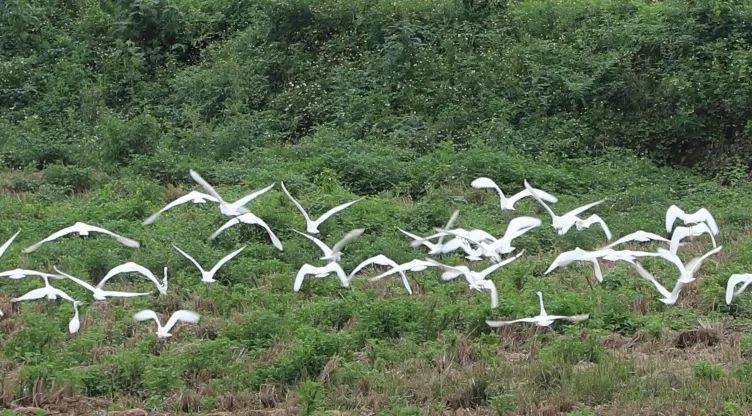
x: 106, y: 105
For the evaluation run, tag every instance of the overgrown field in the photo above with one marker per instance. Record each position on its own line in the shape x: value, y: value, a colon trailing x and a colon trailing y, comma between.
x: 106, y: 105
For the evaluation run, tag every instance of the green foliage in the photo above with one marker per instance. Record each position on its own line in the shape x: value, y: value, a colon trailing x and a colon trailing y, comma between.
x: 573, y: 350
x: 707, y: 371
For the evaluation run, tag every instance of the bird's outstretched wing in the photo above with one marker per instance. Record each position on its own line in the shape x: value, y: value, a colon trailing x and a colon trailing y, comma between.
x: 352, y: 235
x: 335, y: 210
x: 226, y: 225
x: 321, y: 245
x: 250, y: 197
x: 8, y: 243
x: 53, y: 236
x: 594, y: 219
x: 188, y: 256
x: 181, y: 316
x: 129, y: 267
x: 193, y: 196
x: 380, y: 259
x: 196, y: 177
x: 76, y: 280
x: 225, y: 259
x: 297, y: 204
x: 123, y: 240
x: 145, y: 315
x: 734, y: 280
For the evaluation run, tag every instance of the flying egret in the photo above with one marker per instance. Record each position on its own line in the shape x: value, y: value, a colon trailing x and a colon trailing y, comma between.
x: 734, y: 280
x: 131, y: 267
x: 411, y: 266
x: 177, y: 316
x: 16, y: 274
x: 543, y: 319
x: 508, y: 203
x: 492, y: 247
x: 563, y: 223
x: 639, y: 236
x: 97, y: 291
x: 82, y: 230
x: 249, y: 218
x: 702, y: 215
x: 438, y: 247
x: 207, y: 276
x: 334, y: 253
x: 669, y: 297
x: 695, y: 230
x: 323, y: 271
x: 47, y: 291
x: 312, y: 226
x: 593, y: 256
x: 383, y: 260
x: 193, y: 196
x: 230, y: 209
x: 688, y: 270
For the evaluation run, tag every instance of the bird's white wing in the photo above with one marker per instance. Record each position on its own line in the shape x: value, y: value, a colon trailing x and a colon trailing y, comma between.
x: 682, y: 232
x: 305, y: 270
x: 53, y: 236
x: 539, y: 192
x: 705, y: 216
x: 181, y: 316
x: 534, y: 194
x: 123, y: 240
x: 7, y: 243
x: 324, y: 248
x: 297, y: 204
x: 189, y: 197
x: 696, y: 262
x: 250, y: 218
x: 76, y: 280
x: 196, y: 177
x: 380, y: 259
x: 496, y: 324
x: 519, y: 226
x: 650, y: 278
x: 250, y: 197
x: 595, y: 219
x: 484, y: 183
x: 224, y: 226
x: 32, y: 295
x: 352, y: 235
x: 225, y: 259
x: 573, y: 318
x: 145, y: 315
x: 672, y: 213
x: 449, y: 224
x: 490, y: 287
x: 129, y: 267
x: 734, y: 280
x: 567, y: 257
x: 186, y: 255
x: 117, y: 294
x: 496, y: 266
x: 580, y: 210
x: 335, y: 210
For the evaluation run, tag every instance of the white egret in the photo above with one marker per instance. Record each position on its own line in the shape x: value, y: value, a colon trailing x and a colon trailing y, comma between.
x: 312, y: 226
x: 639, y: 236
x: 669, y: 297
x: 249, y: 218
x: 97, y: 291
x: 410, y: 266
x: 508, y: 203
x: 47, y: 291
x: 230, y: 209
x: 16, y: 274
x: 563, y: 223
x: 695, y: 230
x: 688, y: 270
x: 543, y: 319
x: 734, y: 280
x: 702, y: 215
x: 207, y: 276
x: 74, y: 324
x: 7, y: 244
x: 193, y: 196
x: 131, y: 267
x: 334, y: 253
x: 82, y: 230
x: 593, y: 256
x: 177, y: 316
x: 323, y: 271
x: 438, y: 247
x: 383, y: 260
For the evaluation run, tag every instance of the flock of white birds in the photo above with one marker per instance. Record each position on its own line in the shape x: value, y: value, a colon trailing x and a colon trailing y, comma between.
x: 476, y: 244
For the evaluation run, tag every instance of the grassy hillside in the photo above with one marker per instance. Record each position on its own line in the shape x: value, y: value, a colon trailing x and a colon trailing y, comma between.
x: 106, y: 105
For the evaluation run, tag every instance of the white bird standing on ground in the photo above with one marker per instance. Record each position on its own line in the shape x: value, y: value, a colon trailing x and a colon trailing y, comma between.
x: 74, y: 324
x: 691, y: 231
x: 97, y: 291
x: 702, y: 215
x: 323, y: 271
x: 207, y: 276
x: 508, y: 203
x: 177, y: 316
x: 249, y: 218
x: 230, y: 209
x: 82, y: 230
x: 131, y: 267
x: 312, y: 226
x: 562, y: 223
x: 334, y: 253
x: 543, y: 319
x: 383, y: 260
x: 638, y: 236
x: 193, y: 196
x: 734, y: 280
